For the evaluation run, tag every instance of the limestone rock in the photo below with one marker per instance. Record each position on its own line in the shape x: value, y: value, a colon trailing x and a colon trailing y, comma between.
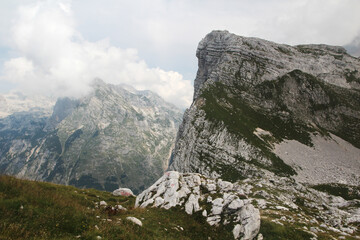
x: 135, y: 220
x: 123, y: 192
x: 186, y: 190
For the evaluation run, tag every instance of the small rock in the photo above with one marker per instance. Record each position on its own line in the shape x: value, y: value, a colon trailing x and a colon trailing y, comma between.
x: 224, y: 185
x: 123, y: 192
x: 213, y: 220
x: 281, y: 208
x: 103, y: 203
x: 192, y: 205
x: 236, y: 204
x: 211, y: 187
x: 96, y: 227
x: 98, y: 237
x: 217, y: 206
x: 204, y: 213
x: 134, y: 220
x: 119, y: 207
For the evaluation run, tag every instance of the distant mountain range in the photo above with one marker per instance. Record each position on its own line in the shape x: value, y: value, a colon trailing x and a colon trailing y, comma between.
x: 115, y: 136
x: 16, y: 101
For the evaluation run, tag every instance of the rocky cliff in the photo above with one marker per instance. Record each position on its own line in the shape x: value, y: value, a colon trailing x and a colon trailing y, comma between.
x: 115, y: 136
x: 256, y: 101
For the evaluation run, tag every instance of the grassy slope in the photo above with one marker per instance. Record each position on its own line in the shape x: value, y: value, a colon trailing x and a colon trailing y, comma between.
x: 53, y: 211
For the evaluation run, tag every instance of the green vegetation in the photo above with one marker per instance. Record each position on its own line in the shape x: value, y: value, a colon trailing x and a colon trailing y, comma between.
x: 273, y: 231
x: 241, y: 119
x: 292, y: 107
x: 37, y: 210
x: 336, y: 189
x: 350, y: 77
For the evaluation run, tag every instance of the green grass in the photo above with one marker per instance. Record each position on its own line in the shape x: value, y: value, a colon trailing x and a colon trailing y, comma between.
x: 344, y: 191
x: 273, y: 231
x: 37, y: 210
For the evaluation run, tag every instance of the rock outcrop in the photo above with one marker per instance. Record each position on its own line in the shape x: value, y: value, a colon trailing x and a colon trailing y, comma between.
x: 220, y: 202
x: 252, y: 95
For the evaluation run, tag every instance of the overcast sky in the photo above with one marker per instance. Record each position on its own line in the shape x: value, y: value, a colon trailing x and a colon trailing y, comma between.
x: 58, y: 46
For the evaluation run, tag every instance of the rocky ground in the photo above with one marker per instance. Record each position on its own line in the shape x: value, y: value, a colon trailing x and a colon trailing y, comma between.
x: 275, y: 200
x: 330, y: 160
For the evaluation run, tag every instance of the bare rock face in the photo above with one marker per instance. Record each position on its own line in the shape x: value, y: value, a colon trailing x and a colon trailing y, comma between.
x: 221, y: 202
x: 222, y: 55
x: 251, y: 95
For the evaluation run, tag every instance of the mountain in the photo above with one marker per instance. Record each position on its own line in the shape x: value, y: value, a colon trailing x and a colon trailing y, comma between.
x: 112, y: 137
x: 353, y: 47
x: 16, y: 101
x: 269, y: 148
x: 261, y: 106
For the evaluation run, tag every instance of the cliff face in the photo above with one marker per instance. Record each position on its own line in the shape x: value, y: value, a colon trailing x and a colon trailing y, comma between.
x: 112, y: 137
x: 254, y: 96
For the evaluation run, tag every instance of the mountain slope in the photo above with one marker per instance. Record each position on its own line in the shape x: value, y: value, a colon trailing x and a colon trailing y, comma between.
x: 109, y: 138
x: 252, y: 95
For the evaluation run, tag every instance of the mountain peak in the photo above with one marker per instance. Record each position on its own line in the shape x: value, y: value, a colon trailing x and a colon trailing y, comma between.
x: 221, y: 53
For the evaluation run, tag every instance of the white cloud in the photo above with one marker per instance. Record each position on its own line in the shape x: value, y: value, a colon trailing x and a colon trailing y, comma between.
x: 54, y: 58
x: 166, y: 34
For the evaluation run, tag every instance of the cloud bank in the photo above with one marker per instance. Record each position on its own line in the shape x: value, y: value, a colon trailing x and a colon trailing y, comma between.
x: 52, y: 57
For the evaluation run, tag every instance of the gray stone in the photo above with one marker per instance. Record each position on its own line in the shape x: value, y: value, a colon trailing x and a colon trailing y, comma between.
x: 217, y: 206
x: 134, y: 220
x: 213, y: 220
x: 123, y: 192
x: 236, y: 204
x: 174, y: 188
x: 250, y: 221
x: 192, y: 205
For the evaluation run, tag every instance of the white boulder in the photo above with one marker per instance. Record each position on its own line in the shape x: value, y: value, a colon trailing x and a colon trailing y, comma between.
x: 123, y: 192
x: 134, y: 220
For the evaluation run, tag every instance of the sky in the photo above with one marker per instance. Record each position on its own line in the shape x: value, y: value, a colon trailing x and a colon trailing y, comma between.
x: 57, y: 47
